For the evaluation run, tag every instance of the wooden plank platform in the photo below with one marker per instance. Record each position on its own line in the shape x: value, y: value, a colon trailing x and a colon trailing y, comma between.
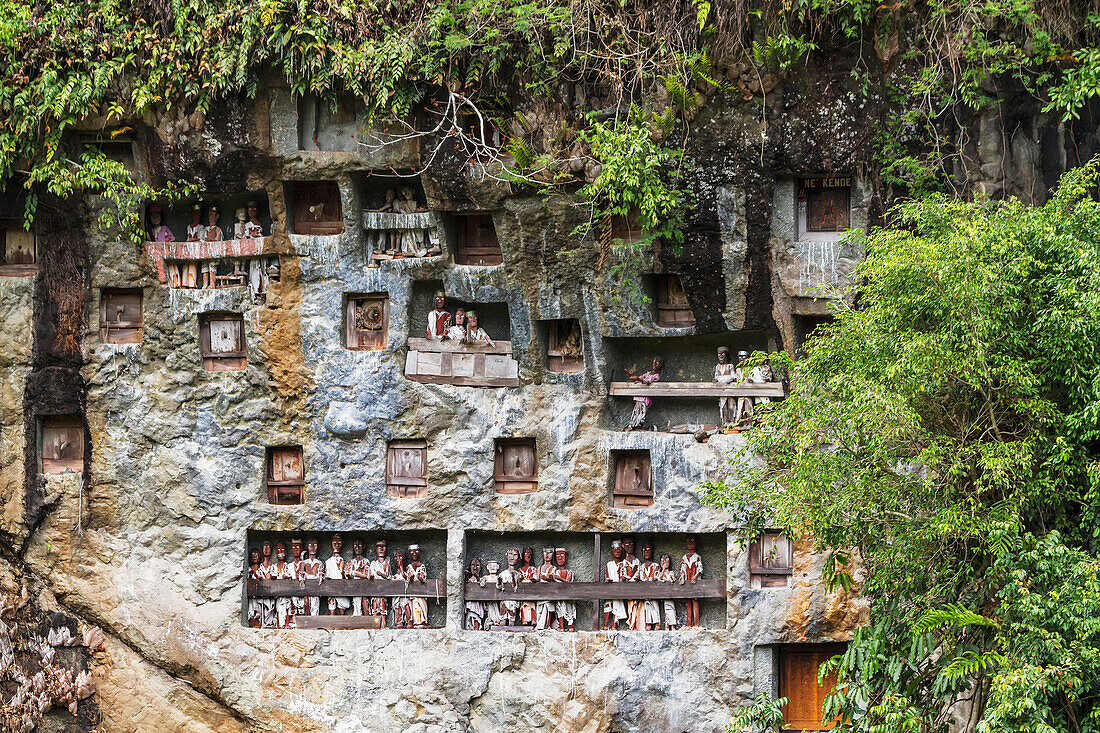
x: 434, y: 588
x: 696, y: 389
x: 337, y: 622
x: 158, y: 252
x: 445, y: 362
x: 704, y: 588
x: 438, y: 347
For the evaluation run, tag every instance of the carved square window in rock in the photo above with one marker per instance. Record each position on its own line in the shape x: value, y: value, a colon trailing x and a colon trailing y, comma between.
x: 477, y: 240
x: 771, y: 559
x: 625, y: 228
x: 828, y: 203
x: 367, y: 321
x: 286, y: 475
x: 120, y: 316
x: 564, y: 345
x: 222, y: 340
x: 407, y: 468
x: 481, y: 130
x: 673, y: 308
x: 516, y: 466
x: 798, y: 668
x: 18, y: 245
x: 62, y: 446
x: 317, y: 208
x: 633, y: 479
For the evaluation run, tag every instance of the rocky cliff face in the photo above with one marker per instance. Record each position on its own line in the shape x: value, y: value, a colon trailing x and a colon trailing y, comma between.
x: 151, y: 544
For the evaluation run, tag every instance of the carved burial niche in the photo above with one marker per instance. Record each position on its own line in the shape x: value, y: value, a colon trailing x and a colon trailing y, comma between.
x: 62, y: 444
x: 633, y: 485
x: 407, y: 468
x: 673, y: 308
x: 477, y: 240
x: 286, y: 475
x: 625, y: 228
x: 120, y: 316
x: 221, y: 336
x: 366, y: 321
x: 828, y: 203
x: 564, y: 346
x: 771, y: 559
x: 18, y: 245
x: 317, y: 208
x: 516, y: 466
x: 798, y: 667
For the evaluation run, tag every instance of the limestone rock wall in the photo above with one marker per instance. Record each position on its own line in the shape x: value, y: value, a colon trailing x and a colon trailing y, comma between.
x: 151, y: 547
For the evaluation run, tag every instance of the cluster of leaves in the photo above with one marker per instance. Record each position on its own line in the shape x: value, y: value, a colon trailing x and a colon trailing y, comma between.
x: 947, y: 429
x: 66, y: 63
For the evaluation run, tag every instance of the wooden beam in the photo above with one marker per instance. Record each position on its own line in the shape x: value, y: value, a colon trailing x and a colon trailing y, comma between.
x: 464, y: 381
x: 337, y: 622
x: 429, y: 345
x: 696, y: 389
x: 704, y: 588
x: 434, y: 588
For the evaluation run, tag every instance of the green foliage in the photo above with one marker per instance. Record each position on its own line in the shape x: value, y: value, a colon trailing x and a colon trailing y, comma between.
x: 136, y: 61
x: 947, y: 430
x: 762, y: 714
x: 638, y: 177
x: 781, y: 52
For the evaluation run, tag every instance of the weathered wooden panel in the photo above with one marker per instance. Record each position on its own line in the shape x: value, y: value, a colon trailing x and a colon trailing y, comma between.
x: 337, y: 622
x: 62, y: 447
x: 317, y: 208
x: 433, y: 588
x: 461, y: 365
x: 120, y: 316
x: 697, y: 389
x: 703, y: 588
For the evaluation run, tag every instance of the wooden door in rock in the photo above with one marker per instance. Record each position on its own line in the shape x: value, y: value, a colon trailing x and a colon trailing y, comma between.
x: 120, y: 316
x: 406, y: 468
x: 286, y: 476
x: 317, y: 208
x: 62, y: 444
x: 516, y: 466
x: 673, y: 307
x: 367, y: 320
x: 222, y: 341
x: 633, y: 480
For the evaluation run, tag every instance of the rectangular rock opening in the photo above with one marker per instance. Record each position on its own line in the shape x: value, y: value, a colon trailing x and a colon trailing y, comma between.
x: 798, y: 682
x: 513, y: 603
x: 689, y: 363
x: 366, y: 321
x: 515, y: 466
x: 475, y: 238
x: 771, y: 560
x: 184, y: 221
x: 673, y: 308
x: 286, y: 475
x: 824, y: 206
x: 19, y: 253
x: 334, y: 590
x: 61, y: 446
x: 407, y: 468
x: 324, y: 127
x: 397, y: 223
x: 564, y: 345
x: 221, y: 338
x: 316, y: 207
x: 120, y: 316
x: 632, y: 479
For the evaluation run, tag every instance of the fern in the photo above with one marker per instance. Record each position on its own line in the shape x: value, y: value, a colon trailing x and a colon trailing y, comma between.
x: 952, y: 614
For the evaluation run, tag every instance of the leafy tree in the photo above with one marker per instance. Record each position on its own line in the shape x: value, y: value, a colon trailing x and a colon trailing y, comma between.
x: 946, y: 432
